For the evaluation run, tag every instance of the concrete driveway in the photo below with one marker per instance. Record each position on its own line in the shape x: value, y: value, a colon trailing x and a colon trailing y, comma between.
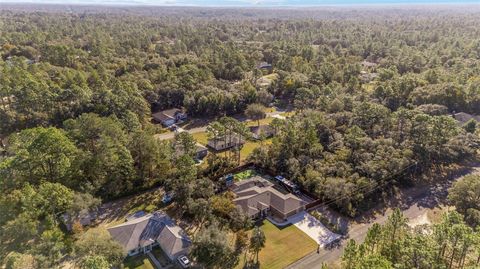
x: 313, y: 228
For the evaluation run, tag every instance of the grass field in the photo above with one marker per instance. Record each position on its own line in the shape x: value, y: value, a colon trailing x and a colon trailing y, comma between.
x: 265, y: 121
x: 249, y: 146
x: 283, y: 246
x: 138, y: 262
x: 201, y: 137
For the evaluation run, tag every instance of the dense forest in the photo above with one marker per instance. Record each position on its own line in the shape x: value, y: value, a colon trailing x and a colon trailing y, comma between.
x: 373, y: 94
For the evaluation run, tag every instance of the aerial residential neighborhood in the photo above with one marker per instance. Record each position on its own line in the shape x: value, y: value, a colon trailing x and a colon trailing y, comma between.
x: 239, y: 134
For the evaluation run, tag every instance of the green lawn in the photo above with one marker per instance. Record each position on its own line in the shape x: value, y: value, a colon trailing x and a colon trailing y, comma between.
x: 138, y: 262
x: 246, y: 174
x: 247, y: 149
x: 249, y: 146
x: 283, y: 246
x: 264, y: 121
x: 201, y: 137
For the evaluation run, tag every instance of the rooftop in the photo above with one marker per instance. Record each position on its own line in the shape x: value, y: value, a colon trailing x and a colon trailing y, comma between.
x: 257, y: 193
x: 465, y: 117
x: 166, y: 114
x: 147, y: 229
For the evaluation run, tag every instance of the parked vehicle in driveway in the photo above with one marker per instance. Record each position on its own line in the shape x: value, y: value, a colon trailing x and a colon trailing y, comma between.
x: 167, y: 197
x: 173, y: 127
x: 183, y: 261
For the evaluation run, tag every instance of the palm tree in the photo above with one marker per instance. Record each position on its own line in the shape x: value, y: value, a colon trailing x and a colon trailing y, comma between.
x: 243, y: 132
x: 214, y: 131
x: 257, y: 241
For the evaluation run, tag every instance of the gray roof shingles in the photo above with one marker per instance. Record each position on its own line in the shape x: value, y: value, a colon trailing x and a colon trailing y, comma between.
x: 146, y: 230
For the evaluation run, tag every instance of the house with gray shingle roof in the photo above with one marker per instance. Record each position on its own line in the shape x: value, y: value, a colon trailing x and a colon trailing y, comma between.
x: 257, y: 197
x: 463, y: 117
x: 170, y: 116
x: 140, y: 235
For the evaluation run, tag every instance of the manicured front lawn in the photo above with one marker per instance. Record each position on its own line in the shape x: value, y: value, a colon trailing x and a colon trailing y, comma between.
x: 138, y: 262
x: 283, y: 246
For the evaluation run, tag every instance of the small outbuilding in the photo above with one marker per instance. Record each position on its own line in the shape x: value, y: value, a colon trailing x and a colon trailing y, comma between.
x: 262, y: 131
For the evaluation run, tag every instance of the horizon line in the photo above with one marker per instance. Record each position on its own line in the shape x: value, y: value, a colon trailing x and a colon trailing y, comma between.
x: 253, y: 5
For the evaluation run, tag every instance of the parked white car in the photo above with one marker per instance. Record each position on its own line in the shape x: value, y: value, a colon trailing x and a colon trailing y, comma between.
x: 183, y: 261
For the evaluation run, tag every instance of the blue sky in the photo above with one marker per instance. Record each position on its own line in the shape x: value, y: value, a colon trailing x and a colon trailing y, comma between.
x: 245, y: 2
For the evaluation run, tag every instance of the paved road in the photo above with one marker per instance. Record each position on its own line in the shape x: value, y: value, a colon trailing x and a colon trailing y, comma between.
x: 416, y: 204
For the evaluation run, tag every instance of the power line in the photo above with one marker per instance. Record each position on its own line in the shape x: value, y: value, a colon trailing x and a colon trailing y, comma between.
x: 366, y: 187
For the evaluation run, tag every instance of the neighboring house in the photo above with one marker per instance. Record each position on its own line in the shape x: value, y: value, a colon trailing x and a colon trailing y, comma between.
x: 367, y: 77
x: 200, y: 151
x: 85, y: 218
x: 158, y: 229
x: 265, y: 131
x: 367, y: 65
x: 265, y: 66
x: 256, y: 197
x: 226, y: 142
x: 463, y: 117
x: 170, y: 116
